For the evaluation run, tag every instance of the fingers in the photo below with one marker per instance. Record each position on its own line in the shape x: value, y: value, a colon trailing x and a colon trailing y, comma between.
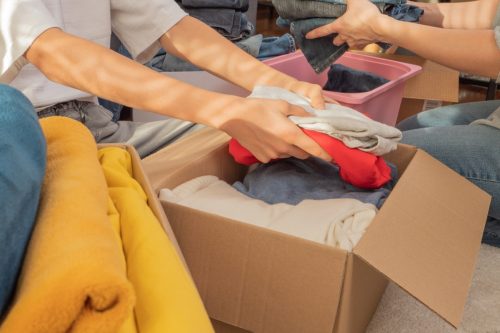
x: 294, y: 110
x: 308, y: 145
x: 317, y: 99
x: 330, y: 100
x: 298, y: 153
x: 325, y: 30
x: 339, y: 40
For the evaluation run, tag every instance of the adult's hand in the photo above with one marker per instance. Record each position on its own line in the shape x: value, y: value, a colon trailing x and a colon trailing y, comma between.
x: 357, y: 27
x: 262, y: 127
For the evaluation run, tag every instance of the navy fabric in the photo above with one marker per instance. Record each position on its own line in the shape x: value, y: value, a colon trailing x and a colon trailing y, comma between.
x: 292, y: 180
x: 345, y: 79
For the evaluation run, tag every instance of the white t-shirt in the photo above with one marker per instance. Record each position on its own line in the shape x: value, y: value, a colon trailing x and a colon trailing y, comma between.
x: 138, y: 24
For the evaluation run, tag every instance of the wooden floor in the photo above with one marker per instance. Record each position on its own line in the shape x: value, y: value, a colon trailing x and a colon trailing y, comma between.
x: 266, y: 25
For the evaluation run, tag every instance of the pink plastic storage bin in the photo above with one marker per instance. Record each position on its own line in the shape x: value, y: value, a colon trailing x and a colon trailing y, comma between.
x: 381, y: 104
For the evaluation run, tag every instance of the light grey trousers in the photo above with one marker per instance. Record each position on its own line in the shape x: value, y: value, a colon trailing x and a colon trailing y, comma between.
x: 146, y: 137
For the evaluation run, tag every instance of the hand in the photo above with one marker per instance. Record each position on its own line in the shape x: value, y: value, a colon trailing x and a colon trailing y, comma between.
x: 262, y: 127
x: 314, y: 92
x: 357, y: 27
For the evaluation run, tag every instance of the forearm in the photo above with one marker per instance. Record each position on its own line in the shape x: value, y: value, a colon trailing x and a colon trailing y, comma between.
x: 90, y: 67
x: 197, y: 43
x: 461, y: 15
x: 472, y: 51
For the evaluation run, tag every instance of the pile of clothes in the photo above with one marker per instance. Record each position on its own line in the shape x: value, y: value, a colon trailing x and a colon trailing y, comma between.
x: 303, y: 16
x: 332, y: 203
x: 229, y: 19
x: 98, y: 259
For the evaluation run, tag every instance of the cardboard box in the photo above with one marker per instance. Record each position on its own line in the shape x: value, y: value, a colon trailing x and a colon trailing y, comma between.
x: 425, y: 238
x: 435, y: 86
x: 139, y: 174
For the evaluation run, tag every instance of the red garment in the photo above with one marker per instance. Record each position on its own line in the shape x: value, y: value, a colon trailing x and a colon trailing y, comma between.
x: 356, y: 167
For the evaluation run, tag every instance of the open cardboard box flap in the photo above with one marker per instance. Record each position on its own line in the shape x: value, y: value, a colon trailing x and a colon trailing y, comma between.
x: 426, y: 237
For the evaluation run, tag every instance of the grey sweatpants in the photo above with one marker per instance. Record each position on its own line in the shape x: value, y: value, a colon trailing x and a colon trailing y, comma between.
x: 145, y: 137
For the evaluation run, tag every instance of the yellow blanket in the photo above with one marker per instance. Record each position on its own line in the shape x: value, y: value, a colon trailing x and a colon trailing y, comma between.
x: 73, y: 277
x: 167, y: 300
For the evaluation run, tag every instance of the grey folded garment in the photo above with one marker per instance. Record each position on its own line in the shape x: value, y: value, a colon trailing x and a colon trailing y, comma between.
x: 353, y: 128
x: 292, y: 180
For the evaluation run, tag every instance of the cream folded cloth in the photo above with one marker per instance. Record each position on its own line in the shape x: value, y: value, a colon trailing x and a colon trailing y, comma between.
x: 336, y: 222
x: 353, y: 128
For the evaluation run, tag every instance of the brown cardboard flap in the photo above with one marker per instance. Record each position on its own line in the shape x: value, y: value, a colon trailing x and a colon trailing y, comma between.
x: 258, y: 279
x: 427, y: 235
x: 401, y: 157
x: 362, y: 290
x: 164, y: 168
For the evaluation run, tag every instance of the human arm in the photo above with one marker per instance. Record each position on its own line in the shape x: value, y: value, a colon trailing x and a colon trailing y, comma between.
x: 473, y: 51
x: 194, y: 41
x: 261, y: 126
x: 458, y: 15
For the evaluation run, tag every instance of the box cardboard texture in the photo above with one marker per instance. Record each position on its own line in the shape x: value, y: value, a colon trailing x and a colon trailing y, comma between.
x: 425, y: 238
x: 435, y: 86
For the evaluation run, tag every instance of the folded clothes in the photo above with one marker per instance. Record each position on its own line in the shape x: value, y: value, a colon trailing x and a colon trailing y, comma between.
x: 304, y: 16
x: 167, y: 300
x: 293, y: 180
x: 241, y: 5
x: 257, y: 46
x: 335, y: 222
x: 129, y: 325
x: 361, y: 169
x: 73, y: 277
x: 348, y: 80
x: 232, y: 24
x: 353, y: 128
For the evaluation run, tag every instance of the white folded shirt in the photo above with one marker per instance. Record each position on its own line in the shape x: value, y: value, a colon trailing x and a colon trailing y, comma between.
x: 336, y: 222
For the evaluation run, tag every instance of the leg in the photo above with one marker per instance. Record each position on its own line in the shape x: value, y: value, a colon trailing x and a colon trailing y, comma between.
x: 472, y: 151
x: 149, y: 137
x: 457, y: 114
x: 145, y: 137
x: 22, y: 168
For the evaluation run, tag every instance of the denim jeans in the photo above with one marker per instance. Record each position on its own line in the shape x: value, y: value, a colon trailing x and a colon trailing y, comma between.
x: 145, y: 137
x: 22, y: 169
x: 276, y: 46
x: 345, y: 79
x: 304, y: 9
x: 304, y: 16
x: 241, y: 5
x: 471, y: 150
x: 230, y: 23
x: 257, y: 46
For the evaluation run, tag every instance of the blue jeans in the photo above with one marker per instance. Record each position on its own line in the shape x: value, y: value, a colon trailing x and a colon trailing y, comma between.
x: 471, y: 150
x: 22, y: 168
x: 230, y: 23
x: 241, y: 5
x: 304, y: 16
